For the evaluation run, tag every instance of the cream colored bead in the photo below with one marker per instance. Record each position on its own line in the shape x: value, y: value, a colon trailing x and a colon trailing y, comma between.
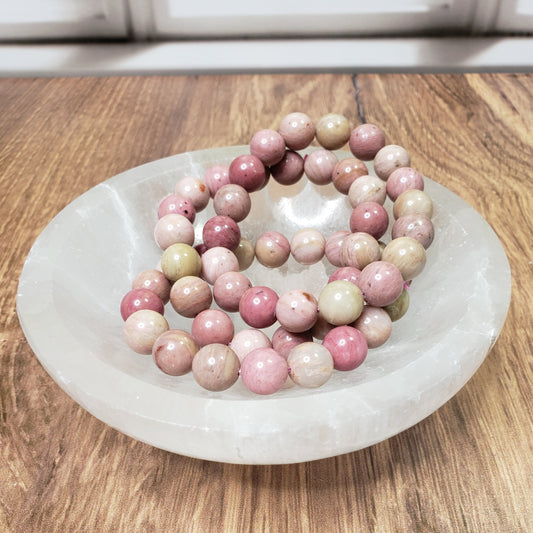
x: 407, y: 254
x: 412, y: 202
x: 340, y: 302
x: 311, y: 364
x: 308, y: 246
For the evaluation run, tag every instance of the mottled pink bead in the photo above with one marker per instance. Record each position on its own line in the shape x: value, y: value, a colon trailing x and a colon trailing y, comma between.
x: 311, y: 364
x: 264, y: 371
x: 137, y: 299
x: 142, y: 328
x: 233, y: 201
x: 375, y: 324
x: 389, y: 158
x: 247, y: 171
x: 215, y: 367
x: 366, y: 140
x: 215, y: 177
x: 298, y: 130
x: 194, y: 190
x: 346, y: 274
x: 272, y: 249
x: 247, y: 340
x: 367, y: 189
x: 228, y: 290
x: 319, y: 165
x: 284, y: 341
x: 289, y: 170
x: 190, y: 295
x: 347, y: 346
x: 297, y: 310
x: 403, y: 179
x: 223, y: 231
x: 269, y: 146
x: 173, y: 352
x: 416, y: 226
x: 371, y: 218
x: 217, y: 261
x: 258, y: 307
x: 346, y: 172
x: 308, y: 246
x: 153, y: 280
x: 359, y: 249
x: 173, y: 228
x: 178, y: 205
x: 212, y: 326
x: 381, y: 283
x: 333, y: 247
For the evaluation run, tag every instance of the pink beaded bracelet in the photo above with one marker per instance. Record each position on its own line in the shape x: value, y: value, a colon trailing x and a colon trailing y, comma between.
x: 352, y: 313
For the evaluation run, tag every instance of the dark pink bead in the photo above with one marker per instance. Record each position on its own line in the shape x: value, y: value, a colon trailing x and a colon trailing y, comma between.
x: 381, y: 283
x: 371, y: 218
x: 176, y: 204
x: 346, y: 274
x: 138, y: 299
x: 403, y: 179
x: 247, y: 171
x: 258, y: 307
x: 268, y: 146
x: 215, y: 177
x: 221, y: 230
x: 284, y: 341
x: 347, y: 346
x: 264, y: 371
x: 366, y: 140
x: 290, y: 169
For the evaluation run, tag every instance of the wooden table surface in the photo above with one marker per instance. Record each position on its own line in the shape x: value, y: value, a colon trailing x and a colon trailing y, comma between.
x: 466, y: 468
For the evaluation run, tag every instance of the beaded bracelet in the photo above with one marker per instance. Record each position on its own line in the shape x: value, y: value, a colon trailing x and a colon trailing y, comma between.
x: 353, y: 312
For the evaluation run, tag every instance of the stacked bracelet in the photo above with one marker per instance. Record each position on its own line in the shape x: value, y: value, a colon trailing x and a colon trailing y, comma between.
x: 352, y: 313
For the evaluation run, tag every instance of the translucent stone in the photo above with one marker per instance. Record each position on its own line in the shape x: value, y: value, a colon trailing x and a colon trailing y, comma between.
x: 77, y: 272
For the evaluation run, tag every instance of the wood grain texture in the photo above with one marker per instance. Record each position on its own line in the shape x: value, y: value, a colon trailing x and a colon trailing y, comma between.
x: 466, y: 468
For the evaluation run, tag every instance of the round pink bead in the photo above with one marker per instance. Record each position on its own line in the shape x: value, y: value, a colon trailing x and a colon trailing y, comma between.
x: 333, y: 247
x: 178, y: 205
x: 258, y: 307
x: 366, y: 140
x: 137, y: 299
x: 389, y: 158
x: 142, y: 328
x: 403, y: 179
x: 215, y: 367
x: 298, y: 130
x: 247, y: 171
x: 359, y: 249
x: 247, y: 340
x: 375, y: 324
x: 272, y: 249
x: 212, y: 326
x: 233, y: 201
x: 367, y: 189
x: 346, y: 274
x: 346, y: 172
x: 190, y: 295
x: 268, y: 146
x: 217, y: 261
x: 284, y: 341
x: 173, y: 352
x: 311, y: 364
x: 416, y: 226
x: 347, y: 346
x: 308, y: 246
x: 229, y: 288
x: 289, y: 170
x: 297, y: 310
x: 319, y: 165
x: 381, y: 283
x: 223, y: 231
x: 194, y: 190
x: 371, y: 218
x: 155, y: 281
x: 215, y: 177
x: 264, y: 371
x: 173, y: 228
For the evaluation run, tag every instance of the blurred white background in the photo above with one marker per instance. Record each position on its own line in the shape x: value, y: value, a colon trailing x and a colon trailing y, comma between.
x: 99, y: 36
